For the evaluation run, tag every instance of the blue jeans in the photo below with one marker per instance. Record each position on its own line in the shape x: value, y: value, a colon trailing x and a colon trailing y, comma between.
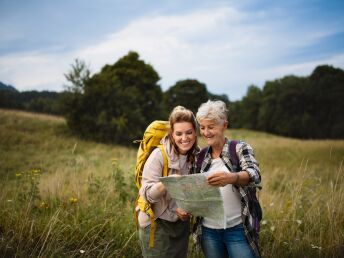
x: 218, y: 243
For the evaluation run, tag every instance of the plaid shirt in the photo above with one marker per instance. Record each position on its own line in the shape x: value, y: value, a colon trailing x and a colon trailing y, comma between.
x: 249, y: 164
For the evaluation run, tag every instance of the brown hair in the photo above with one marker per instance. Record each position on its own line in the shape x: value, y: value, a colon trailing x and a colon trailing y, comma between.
x: 178, y: 115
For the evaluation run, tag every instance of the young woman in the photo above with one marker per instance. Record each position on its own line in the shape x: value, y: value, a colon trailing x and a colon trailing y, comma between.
x: 231, y: 236
x: 172, y: 224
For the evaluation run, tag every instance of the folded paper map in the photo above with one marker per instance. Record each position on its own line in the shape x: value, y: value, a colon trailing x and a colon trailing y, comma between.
x: 194, y: 195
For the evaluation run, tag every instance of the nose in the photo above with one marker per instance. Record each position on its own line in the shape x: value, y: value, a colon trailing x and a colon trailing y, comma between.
x: 184, y: 137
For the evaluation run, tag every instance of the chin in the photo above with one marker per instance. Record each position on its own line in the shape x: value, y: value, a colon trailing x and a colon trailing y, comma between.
x: 209, y: 141
x: 183, y: 152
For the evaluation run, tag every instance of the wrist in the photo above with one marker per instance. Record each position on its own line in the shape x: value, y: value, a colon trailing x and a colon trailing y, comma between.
x: 237, y: 177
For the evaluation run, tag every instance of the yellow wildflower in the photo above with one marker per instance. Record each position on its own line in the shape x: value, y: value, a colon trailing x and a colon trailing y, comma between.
x: 73, y: 200
x: 114, y: 162
x: 43, y: 205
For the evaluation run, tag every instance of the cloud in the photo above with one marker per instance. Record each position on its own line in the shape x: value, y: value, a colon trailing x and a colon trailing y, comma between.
x: 34, y: 71
x: 223, y: 47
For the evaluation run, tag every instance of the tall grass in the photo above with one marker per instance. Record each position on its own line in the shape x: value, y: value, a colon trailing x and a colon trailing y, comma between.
x: 61, y: 196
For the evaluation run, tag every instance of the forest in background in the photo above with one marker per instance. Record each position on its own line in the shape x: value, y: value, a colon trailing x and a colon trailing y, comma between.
x: 117, y: 103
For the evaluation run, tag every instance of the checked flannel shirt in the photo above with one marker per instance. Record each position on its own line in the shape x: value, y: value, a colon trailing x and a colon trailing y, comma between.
x: 249, y: 164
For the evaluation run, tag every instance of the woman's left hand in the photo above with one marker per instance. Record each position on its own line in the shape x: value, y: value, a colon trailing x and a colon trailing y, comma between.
x: 219, y: 178
x: 182, y: 214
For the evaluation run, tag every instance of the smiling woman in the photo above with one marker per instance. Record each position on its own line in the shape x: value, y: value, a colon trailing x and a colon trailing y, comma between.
x: 171, y: 228
x: 235, y: 235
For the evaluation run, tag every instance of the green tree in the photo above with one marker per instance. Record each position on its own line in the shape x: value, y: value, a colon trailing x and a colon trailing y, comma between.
x: 116, y: 104
x: 326, y: 106
x: 188, y: 93
x: 72, y: 101
x: 304, y: 107
x: 77, y: 76
x: 249, y: 108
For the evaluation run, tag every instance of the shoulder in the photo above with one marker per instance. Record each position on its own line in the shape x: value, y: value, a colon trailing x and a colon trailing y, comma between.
x: 155, y: 157
x: 156, y: 153
x: 244, y: 148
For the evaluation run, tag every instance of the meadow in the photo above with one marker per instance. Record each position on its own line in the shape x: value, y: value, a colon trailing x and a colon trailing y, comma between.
x: 62, y: 196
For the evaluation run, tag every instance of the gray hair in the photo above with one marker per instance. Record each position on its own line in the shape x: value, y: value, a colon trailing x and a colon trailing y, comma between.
x: 213, y: 110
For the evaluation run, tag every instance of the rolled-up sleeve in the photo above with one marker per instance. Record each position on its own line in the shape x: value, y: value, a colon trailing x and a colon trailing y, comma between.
x: 151, y: 172
x: 248, y: 162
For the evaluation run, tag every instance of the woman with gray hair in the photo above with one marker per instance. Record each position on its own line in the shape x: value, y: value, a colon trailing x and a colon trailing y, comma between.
x: 233, y: 235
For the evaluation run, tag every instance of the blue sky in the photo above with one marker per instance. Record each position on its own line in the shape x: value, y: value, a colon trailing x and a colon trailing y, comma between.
x: 228, y: 45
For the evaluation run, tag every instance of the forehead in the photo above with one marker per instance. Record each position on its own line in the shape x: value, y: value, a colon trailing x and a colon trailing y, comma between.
x: 182, y: 126
x: 206, y: 122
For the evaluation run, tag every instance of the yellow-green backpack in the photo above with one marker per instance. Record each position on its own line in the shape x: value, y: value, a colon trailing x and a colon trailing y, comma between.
x: 151, y: 139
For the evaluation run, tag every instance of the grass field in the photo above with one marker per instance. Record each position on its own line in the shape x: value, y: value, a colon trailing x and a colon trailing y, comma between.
x: 61, y: 196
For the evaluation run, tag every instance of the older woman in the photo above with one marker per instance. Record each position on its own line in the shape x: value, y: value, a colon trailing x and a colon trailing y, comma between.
x: 230, y: 237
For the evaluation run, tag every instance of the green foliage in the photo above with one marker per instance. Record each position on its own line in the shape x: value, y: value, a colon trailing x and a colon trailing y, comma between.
x: 77, y: 76
x: 301, y: 107
x: 186, y: 93
x: 40, y: 102
x: 116, y: 104
x: 244, y: 113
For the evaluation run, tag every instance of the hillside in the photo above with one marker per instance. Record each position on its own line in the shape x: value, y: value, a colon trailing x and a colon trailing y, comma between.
x: 61, y: 194
x: 4, y: 86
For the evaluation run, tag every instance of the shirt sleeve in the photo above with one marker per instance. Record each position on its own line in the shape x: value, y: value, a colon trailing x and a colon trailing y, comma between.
x: 248, y: 162
x: 152, y: 170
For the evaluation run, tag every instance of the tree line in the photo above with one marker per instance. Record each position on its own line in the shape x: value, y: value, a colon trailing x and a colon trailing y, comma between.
x: 310, y: 107
x: 117, y: 103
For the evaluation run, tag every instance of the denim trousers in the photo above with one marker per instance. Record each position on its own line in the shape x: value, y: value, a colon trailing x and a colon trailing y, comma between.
x: 229, y: 242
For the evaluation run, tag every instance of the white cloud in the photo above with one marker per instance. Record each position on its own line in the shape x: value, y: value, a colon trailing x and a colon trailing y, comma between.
x: 34, y: 71
x: 299, y: 69
x: 221, y: 47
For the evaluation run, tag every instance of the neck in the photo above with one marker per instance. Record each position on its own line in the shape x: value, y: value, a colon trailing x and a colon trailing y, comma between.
x: 217, y: 149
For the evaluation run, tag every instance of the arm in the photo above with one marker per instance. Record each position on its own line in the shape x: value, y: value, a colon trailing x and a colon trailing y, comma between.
x: 152, y: 189
x: 249, y: 174
x: 221, y: 178
x: 248, y: 163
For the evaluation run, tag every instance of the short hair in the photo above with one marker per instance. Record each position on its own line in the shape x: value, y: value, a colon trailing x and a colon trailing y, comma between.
x: 212, y: 110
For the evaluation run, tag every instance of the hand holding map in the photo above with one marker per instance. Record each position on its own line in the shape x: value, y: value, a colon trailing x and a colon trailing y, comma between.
x: 194, y: 195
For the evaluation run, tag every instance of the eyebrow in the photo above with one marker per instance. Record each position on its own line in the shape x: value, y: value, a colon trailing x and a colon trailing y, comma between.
x: 189, y: 130
x: 207, y: 125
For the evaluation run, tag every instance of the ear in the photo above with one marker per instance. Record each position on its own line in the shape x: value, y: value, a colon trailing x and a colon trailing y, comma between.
x: 225, y: 124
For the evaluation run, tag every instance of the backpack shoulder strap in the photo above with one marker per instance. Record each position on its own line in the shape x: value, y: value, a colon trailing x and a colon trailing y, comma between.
x: 200, y: 159
x: 233, y: 155
x: 146, y: 207
x: 164, y: 157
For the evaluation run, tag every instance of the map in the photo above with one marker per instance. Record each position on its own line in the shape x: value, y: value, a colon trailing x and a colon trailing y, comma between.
x: 195, y: 196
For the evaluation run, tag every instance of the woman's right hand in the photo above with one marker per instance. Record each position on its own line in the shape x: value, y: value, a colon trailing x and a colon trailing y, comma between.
x: 184, y: 216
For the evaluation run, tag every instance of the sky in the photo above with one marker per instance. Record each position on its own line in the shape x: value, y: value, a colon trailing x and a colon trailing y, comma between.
x: 227, y: 45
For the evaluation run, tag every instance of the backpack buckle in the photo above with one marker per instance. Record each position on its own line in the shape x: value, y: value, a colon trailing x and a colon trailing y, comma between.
x: 147, y: 207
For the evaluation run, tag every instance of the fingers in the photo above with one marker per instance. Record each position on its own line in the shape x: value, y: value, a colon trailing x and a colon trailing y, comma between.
x: 217, y: 179
x: 175, y: 175
x: 182, y: 214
